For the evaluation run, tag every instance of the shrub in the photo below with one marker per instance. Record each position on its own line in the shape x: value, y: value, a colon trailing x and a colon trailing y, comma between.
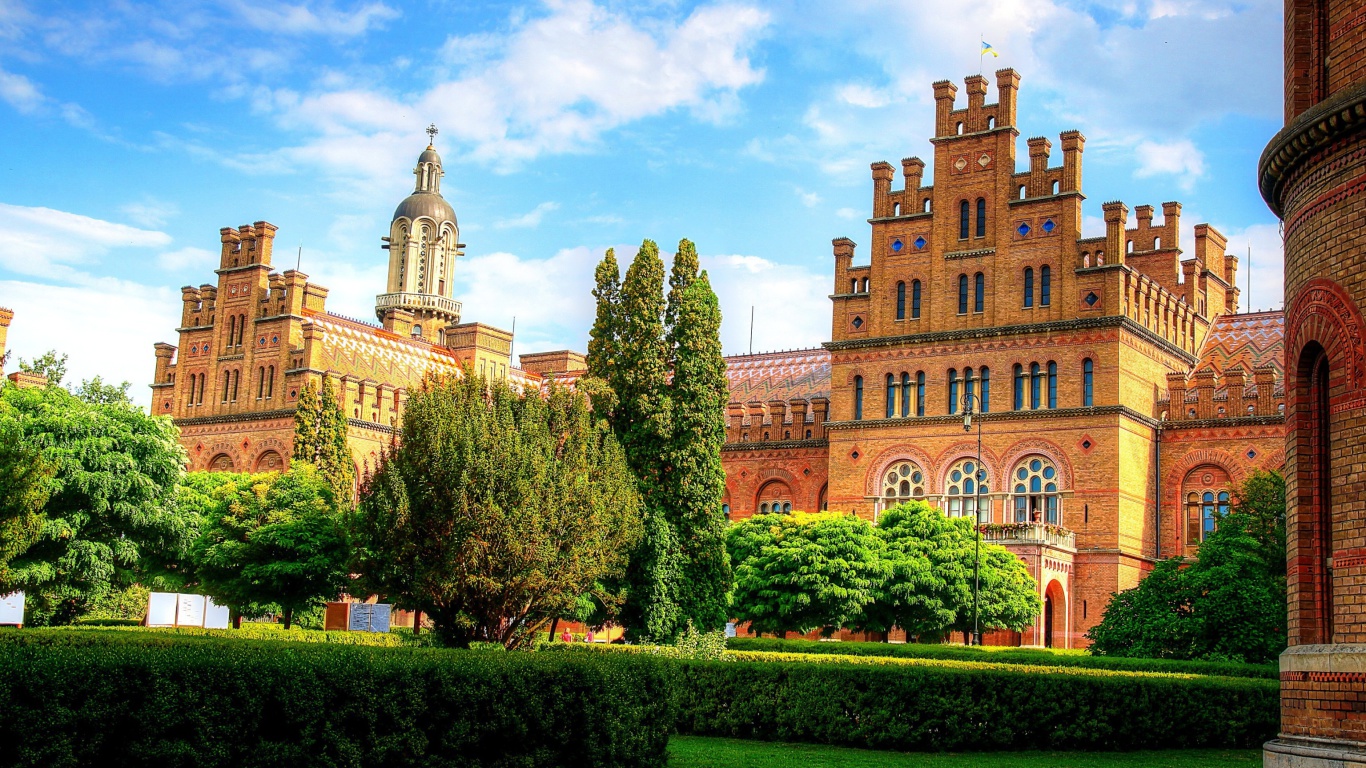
x: 940, y: 707
x: 1031, y: 656
x: 122, y: 698
x: 108, y: 622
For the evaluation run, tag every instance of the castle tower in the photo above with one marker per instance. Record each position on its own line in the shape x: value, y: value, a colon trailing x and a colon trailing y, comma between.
x: 423, y: 244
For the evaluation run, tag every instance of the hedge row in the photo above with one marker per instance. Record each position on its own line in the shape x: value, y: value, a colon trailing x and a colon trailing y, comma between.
x: 1029, y: 656
x: 942, y: 707
x: 124, y: 699
x: 251, y: 631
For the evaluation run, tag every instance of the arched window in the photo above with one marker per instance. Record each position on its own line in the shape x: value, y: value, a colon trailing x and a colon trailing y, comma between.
x: 241, y: 329
x: 985, y: 377
x: 200, y: 400
x: 1022, y: 191
x: 981, y: 217
x: 903, y: 480
x: 232, y: 330
x: 905, y: 394
x: 966, y: 479
x: 865, y: 285
x: 1034, y: 491
x: 1035, y: 384
x: 953, y: 390
x: 270, y: 382
x: 1203, y: 512
x: 915, y: 299
x: 260, y: 382
x: 920, y: 393
x: 901, y: 300
x: 227, y: 381
x: 891, y: 396
x: 1055, y: 187
x: 963, y: 209
x: 1019, y: 387
x: 963, y: 293
x: 979, y: 292
x: 969, y: 388
x: 853, y: 285
x: 1052, y: 384
x: 1029, y: 287
x: 1088, y: 374
x: 236, y: 379
x: 858, y: 398
x: 774, y: 498
x: 927, y: 205
x: 1045, y: 285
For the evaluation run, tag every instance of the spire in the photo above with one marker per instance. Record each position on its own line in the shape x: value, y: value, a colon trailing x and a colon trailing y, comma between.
x: 428, y: 170
x: 431, y: 135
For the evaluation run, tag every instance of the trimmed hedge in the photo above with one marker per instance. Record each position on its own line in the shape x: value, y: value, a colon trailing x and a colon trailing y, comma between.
x: 938, y: 707
x: 275, y: 632
x: 1029, y: 656
x: 108, y: 622
x: 123, y: 699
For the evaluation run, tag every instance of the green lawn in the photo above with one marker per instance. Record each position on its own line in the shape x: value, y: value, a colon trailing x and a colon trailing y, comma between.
x: 699, y: 752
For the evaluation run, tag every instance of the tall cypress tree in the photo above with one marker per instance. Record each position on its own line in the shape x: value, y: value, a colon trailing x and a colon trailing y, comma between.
x: 696, y: 480
x: 320, y: 438
x: 602, y: 340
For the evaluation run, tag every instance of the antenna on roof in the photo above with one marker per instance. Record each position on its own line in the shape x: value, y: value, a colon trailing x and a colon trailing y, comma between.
x: 751, y: 329
x: 300, y: 259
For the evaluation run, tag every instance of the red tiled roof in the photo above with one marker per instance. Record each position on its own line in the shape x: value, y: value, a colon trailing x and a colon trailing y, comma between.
x: 1250, y: 340
x: 800, y: 373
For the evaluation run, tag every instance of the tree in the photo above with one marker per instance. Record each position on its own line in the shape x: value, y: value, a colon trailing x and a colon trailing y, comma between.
x: 320, y: 438
x: 1226, y: 604
x: 96, y: 392
x: 25, y: 485
x: 275, y: 539
x: 695, y: 479
x: 804, y: 571
x: 604, y: 336
x: 496, y: 512
x: 110, y: 510
x: 49, y: 364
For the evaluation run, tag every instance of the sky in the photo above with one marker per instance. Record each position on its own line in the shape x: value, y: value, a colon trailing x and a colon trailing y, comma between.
x: 131, y: 131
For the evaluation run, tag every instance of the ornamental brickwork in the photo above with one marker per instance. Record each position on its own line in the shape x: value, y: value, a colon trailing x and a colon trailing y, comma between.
x: 1313, y: 175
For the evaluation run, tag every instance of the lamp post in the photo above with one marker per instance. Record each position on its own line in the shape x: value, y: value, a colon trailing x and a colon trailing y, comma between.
x: 968, y: 399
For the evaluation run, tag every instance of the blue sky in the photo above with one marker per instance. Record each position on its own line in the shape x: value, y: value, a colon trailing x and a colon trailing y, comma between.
x: 130, y: 132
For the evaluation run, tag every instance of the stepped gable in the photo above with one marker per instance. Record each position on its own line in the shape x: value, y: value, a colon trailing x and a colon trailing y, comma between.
x: 1249, y: 340
x: 789, y: 375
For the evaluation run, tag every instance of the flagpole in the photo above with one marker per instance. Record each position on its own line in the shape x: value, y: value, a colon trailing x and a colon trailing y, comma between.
x: 981, y: 51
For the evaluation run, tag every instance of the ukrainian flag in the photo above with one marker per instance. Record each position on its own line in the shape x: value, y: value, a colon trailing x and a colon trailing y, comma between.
x: 986, y: 48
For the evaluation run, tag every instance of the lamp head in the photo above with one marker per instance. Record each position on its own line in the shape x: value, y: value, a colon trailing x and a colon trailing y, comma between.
x: 967, y: 421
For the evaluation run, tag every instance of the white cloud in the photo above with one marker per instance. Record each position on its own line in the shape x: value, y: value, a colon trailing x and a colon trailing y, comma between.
x: 847, y: 213
x: 150, y: 212
x: 49, y: 243
x: 301, y: 19
x: 184, y: 259
x: 551, y: 298
x: 531, y: 218
x: 1266, y: 290
x: 20, y: 92
x: 1180, y: 158
x: 801, y: 319
x: 809, y: 199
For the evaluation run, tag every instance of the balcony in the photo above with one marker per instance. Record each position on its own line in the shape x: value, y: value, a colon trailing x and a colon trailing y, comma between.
x: 418, y: 302
x: 1030, y: 533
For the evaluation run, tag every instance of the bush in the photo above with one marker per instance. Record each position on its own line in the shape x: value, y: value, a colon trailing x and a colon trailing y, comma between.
x: 108, y: 622
x: 262, y: 631
x: 939, y: 707
x: 71, y: 698
x: 1031, y: 656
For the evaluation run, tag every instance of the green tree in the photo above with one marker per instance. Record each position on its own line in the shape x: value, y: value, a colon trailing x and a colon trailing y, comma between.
x: 110, y: 511
x: 49, y: 364
x: 25, y: 484
x: 604, y: 336
x: 97, y: 392
x: 320, y: 438
x: 496, y: 512
x: 276, y: 539
x: 1226, y: 604
x: 804, y: 571
x: 695, y: 480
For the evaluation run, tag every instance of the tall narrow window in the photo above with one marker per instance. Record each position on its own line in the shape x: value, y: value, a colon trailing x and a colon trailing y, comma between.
x: 201, y: 389
x: 227, y: 381
x: 1029, y: 287
x: 969, y: 388
x: 963, y: 294
x: 985, y: 377
x: 1088, y: 374
x: 979, y: 292
x: 260, y: 382
x: 901, y: 301
x: 241, y: 329
x: 270, y: 383
x: 905, y: 394
x: 1052, y: 384
x: 232, y: 330
x: 858, y: 398
x: 920, y: 393
x: 1035, y: 382
x: 963, y: 220
x: 236, y: 379
x: 1019, y: 387
x: 953, y: 390
x: 915, y: 299
x: 891, y: 396
x: 981, y: 217
x: 1045, y: 285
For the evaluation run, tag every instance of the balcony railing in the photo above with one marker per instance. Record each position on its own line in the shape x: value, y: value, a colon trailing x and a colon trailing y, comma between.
x: 418, y: 301
x: 1030, y: 533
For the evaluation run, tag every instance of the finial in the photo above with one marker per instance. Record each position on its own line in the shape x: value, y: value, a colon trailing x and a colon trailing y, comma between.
x: 431, y: 135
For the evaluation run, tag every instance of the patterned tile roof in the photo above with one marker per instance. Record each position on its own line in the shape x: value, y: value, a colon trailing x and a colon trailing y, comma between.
x: 1250, y: 340
x: 800, y: 373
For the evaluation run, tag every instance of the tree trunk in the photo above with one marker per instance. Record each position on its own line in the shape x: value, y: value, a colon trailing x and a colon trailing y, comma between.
x: 289, y: 616
x: 236, y: 619
x: 554, y: 623
x: 417, y: 622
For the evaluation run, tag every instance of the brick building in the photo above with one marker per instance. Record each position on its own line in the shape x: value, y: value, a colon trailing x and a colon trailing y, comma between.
x: 1118, y: 393
x: 1313, y: 175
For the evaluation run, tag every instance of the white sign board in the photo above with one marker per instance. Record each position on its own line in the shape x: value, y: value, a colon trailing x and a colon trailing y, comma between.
x: 161, y: 609
x: 215, y: 616
x: 189, y: 611
x: 12, y: 608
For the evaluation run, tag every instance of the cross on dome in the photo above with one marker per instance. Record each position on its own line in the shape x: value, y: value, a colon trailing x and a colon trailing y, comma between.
x: 431, y: 135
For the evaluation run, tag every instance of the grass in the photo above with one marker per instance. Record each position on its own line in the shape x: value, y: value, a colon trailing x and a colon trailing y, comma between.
x: 701, y: 752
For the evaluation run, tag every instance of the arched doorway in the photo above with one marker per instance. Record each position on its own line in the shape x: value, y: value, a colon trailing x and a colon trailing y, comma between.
x: 221, y: 463
x: 1054, y: 617
x: 269, y: 461
x: 774, y: 497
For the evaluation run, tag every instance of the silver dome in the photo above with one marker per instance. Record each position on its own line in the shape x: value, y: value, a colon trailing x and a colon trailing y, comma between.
x: 429, y: 155
x: 428, y: 204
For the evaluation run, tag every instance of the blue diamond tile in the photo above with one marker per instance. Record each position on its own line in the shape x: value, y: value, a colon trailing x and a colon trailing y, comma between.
x: 919, y: 243
x: 858, y: 322
x: 897, y: 245
x: 1023, y: 229
x: 1048, y: 225
x: 1091, y: 299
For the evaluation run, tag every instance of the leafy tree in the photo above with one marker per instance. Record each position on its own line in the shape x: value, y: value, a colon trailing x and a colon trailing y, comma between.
x: 275, y: 539
x: 25, y: 485
x: 115, y: 470
x: 604, y: 336
x: 320, y: 438
x: 804, y: 571
x: 49, y: 364
x: 496, y: 512
x: 1227, y: 604
x: 96, y: 392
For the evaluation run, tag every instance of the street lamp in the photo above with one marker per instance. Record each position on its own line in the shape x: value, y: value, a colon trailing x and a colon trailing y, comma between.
x: 981, y: 473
